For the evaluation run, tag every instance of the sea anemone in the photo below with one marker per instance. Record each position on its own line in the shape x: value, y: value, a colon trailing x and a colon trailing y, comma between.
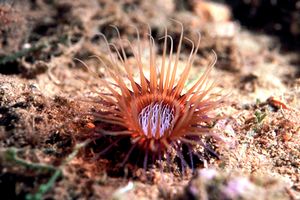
x: 155, y: 112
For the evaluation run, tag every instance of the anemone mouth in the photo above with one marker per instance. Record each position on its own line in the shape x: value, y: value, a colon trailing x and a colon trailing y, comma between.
x: 157, y: 120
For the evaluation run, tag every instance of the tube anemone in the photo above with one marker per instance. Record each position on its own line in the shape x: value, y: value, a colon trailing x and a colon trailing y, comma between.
x: 155, y: 112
